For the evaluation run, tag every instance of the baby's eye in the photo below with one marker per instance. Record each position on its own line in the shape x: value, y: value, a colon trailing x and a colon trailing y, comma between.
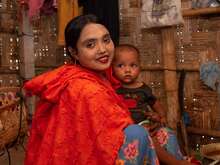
x: 134, y: 65
x: 120, y: 65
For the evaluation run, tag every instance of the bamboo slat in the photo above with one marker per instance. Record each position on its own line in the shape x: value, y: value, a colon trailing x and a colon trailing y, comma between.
x: 202, y: 131
x: 186, y: 66
x: 201, y: 11
x: 170, y: 77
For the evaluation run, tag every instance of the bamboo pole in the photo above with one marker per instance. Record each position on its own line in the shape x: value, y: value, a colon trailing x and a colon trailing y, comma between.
x: 27, y: 64
x: 170, y: 77
x: 202, y: 131
x: 201, y: 11
x: 186, y: 67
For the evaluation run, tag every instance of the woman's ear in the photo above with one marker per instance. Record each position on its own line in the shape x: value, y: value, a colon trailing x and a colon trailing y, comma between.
x: 73, y: 53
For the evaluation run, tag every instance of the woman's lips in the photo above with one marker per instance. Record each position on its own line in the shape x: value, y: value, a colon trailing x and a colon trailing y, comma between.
x: 103, y: 59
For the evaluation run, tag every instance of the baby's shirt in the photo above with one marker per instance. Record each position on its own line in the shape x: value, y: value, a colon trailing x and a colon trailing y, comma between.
x: 138, y: 100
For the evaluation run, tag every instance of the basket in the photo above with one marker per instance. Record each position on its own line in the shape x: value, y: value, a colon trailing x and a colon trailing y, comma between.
x: 211, y: 151
x: 13, y: 116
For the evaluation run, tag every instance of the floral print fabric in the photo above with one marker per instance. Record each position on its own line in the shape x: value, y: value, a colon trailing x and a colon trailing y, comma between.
x: 168, y: 140
x: 138, y: 148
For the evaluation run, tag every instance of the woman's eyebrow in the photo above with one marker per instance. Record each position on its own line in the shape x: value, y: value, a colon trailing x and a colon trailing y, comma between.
x: 106, y: 35
x: 89, y: 40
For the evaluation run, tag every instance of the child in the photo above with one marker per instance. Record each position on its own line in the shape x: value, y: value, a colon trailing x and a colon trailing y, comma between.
x: 138, y: 97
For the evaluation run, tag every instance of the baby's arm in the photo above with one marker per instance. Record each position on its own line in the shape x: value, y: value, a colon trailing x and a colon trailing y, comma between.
x: 157, y: 107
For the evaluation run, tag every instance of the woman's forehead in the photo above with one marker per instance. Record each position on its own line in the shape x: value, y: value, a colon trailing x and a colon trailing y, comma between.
x: 93, y: 31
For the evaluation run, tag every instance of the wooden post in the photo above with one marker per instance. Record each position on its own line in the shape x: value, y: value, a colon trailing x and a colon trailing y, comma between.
x: 27, y: 67
x: 203, y: 131
x: 170, y: 75
x: 200, y: 11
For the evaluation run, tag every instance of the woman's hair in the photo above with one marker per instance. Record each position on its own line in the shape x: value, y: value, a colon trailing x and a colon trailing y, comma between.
x: 74, y: 27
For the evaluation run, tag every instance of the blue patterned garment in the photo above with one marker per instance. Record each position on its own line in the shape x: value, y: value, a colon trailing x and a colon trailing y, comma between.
x: 138, y: 148
x: 166, y: 137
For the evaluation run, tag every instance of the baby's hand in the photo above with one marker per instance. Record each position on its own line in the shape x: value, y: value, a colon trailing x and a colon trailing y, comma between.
x: 153, y: 116
x: 163, y: 120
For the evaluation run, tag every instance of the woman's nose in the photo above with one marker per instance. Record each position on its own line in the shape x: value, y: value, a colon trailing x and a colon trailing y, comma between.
x: 101, y: 48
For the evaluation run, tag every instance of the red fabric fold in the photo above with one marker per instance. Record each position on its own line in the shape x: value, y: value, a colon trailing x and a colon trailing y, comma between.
x: 79, y: 119
x: 115, y: 82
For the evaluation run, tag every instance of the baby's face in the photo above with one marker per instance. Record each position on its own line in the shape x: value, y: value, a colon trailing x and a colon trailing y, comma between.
x: 126, y: 66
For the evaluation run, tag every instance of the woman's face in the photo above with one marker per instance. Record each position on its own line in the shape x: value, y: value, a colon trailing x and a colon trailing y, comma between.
x: 95, y: 49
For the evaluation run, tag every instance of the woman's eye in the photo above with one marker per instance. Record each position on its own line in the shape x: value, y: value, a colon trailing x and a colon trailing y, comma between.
x: 107, y: 39
x: 90, y: 45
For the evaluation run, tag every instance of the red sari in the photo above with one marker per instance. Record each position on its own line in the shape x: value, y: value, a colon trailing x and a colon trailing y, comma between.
x: 79, y: 119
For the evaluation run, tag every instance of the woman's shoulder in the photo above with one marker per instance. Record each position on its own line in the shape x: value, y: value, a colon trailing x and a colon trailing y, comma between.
x: 87, y: 84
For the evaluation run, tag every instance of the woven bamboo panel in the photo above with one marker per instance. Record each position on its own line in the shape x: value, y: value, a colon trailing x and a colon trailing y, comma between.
x: 151, y: 48
x: 9, y: 44
x: 201, y: 103
x: 47, y: 53
x: 155, y: 81
x: 12, y: 80
x: 196, y: 36
x: 9, y: 51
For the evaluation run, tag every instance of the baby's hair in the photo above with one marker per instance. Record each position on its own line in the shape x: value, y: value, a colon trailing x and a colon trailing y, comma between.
x: 127, y: 47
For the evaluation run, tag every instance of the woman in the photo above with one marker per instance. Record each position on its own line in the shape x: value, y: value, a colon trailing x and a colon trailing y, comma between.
x: 79, y: 119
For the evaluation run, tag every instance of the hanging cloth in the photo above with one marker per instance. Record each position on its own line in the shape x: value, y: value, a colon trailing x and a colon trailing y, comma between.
x: 107, y: 12
x: 210, y: 75
x: 160, y: 13
x: 34, y: 7
x: 37, y: 7
x: 67, y: 9
x: 48, y: 7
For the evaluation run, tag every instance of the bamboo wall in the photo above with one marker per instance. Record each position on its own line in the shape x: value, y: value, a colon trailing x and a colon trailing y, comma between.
x: 46, y: 52
x: 191, y: 40
x: 9, y: 43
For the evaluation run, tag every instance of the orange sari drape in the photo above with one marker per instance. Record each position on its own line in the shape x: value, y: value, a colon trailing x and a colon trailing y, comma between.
x: 79, y: 119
